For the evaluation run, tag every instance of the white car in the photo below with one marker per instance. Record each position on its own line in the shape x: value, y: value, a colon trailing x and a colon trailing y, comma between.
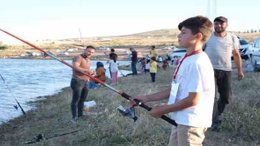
x: 254, y: 53
x: 244, y: 45
x: 177, y: 53
x: 63, y: 53
x: 169, y: 48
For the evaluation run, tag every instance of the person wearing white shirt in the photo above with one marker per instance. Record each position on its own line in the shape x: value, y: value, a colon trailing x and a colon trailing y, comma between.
x: 191, y: 94
x: 114, y: 68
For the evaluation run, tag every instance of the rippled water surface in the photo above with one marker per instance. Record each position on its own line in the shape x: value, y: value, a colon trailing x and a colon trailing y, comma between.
x: 29, y: 79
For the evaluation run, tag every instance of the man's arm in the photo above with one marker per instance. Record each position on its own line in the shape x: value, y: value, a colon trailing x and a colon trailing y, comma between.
x: 238, y: 62
x: 190, y: 101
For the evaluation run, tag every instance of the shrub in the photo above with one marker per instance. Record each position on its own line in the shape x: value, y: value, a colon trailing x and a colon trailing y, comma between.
x: 3, y: 47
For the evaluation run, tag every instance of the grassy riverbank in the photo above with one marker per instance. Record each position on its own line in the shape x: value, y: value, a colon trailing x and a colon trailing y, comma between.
x: 241, y: 120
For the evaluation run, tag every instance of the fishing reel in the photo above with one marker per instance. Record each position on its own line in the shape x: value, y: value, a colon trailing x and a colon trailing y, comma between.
x: 129, y: 112
x: 37, y: 138
x: 16, y: 107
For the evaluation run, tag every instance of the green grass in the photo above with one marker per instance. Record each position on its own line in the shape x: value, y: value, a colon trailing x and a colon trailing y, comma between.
x: 52, y: 117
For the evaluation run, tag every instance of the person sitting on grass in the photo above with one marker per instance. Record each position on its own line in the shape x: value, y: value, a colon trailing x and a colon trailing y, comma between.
x: 191, y: 95
x: 100, y: 74
x: 165, y: 64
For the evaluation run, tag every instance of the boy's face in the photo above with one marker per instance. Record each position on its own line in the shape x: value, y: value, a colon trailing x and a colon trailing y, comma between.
x: 186, y: 39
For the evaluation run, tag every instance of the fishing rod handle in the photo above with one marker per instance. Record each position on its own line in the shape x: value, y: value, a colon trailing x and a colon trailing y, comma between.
x: 138, y: 102
x: 21, y: 108
x: 169, y: 120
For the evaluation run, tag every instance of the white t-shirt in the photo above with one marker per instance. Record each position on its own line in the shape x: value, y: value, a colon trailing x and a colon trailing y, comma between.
x: 147, y: 66
x: 196, y: 74
x: 113, y: 66
x: 219, y: 50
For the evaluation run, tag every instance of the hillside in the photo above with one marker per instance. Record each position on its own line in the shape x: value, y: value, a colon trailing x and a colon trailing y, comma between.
x: 159, y: 38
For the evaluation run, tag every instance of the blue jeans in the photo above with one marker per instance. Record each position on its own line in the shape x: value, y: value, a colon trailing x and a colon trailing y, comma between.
x: 133, y: 65
x: 79, y: 95
x: 153, y: 76
x: 92, y: 85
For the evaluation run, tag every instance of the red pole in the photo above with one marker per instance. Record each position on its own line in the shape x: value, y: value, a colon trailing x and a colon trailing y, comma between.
x: 169, y: 120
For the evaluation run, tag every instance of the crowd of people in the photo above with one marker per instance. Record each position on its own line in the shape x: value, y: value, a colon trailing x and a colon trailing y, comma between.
x: 200, y: 75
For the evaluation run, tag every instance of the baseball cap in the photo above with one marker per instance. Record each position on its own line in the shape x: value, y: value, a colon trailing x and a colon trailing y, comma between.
x: 221, y: 18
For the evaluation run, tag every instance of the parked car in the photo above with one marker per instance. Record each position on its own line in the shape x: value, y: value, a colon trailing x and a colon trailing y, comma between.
x: 244, y: 45
x: 254, y: 53
x: 169, y: 48
x: 177, y: 53
x: 63, y: 53
x: 103, y: 48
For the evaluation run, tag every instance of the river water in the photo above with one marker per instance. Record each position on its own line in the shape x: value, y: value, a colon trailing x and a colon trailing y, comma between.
x: 30, y: 78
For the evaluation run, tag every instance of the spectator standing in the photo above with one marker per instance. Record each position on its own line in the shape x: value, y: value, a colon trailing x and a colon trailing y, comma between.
x: 114, y: 69
x: 220, y: 46
x: 147, y: 66
x: 153, y: 52
x: 134, y: 60
x: 111, y: 56
x: 80, y: 82
x: 153, y: 69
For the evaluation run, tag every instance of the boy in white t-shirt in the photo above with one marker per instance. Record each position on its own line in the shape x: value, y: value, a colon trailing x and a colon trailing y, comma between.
x: 191, y: 94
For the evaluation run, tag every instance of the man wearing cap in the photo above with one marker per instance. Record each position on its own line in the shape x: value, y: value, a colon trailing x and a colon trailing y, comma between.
x: 220, y: 47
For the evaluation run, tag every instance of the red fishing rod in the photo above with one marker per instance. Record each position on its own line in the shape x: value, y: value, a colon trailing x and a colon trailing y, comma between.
x: 48, y: 53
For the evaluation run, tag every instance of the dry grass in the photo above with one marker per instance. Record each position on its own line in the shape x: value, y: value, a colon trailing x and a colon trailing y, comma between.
x: 241, y: 120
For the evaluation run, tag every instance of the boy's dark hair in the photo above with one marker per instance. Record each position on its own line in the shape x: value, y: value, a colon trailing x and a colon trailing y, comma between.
x: 198, y: 24
x: 90, y: 47
x: 112, y: 50
x: 153, y: 58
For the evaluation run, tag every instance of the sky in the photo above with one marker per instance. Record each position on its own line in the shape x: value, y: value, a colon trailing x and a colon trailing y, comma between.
x: 58, y: 19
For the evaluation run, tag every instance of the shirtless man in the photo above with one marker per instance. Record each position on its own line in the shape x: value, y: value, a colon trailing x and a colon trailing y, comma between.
x: 80, y: 82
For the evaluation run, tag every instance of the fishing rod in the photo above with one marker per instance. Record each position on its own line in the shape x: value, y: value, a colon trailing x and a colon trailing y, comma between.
x: 126, y: 96
x: 41, y: 137
x: 122, y: 73
x: 13, y: 96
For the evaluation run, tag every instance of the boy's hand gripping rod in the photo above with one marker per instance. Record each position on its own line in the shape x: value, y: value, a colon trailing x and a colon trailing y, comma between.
x: 169, y: 120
